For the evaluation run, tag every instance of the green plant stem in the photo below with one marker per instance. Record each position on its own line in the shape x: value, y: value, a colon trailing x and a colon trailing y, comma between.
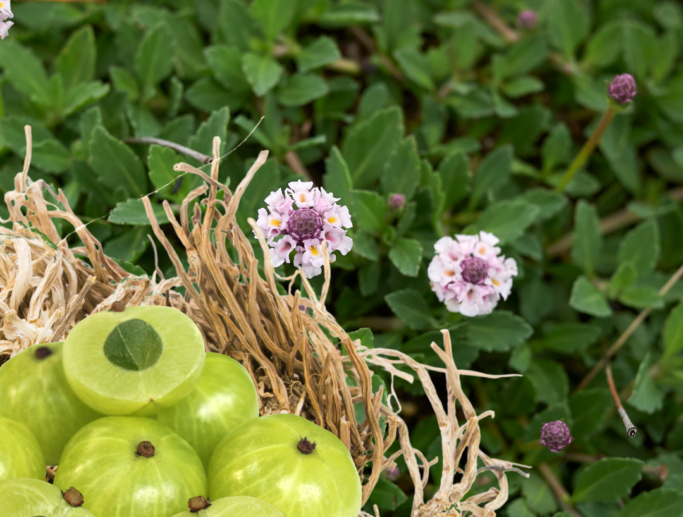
x: 560, y: 493
x: 587, y: 148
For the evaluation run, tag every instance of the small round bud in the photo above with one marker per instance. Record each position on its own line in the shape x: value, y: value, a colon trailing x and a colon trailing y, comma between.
x: 474, y: 270
x: 556, y: 435
x: 305, y: 224
x: 392, y: 474
x: 397, y: 201
x: 527, y: 19
x: 623, y: 88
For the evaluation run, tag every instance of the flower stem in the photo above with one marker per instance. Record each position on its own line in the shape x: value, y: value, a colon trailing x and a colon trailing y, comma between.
x: 560, y: 493
x: 171, y: 145
x: 587, y: 148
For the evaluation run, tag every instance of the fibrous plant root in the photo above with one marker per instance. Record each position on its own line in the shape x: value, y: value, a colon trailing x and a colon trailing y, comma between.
x: 46, y: 287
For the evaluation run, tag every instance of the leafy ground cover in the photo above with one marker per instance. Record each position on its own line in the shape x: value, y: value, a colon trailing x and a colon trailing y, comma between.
x: 474, y: 120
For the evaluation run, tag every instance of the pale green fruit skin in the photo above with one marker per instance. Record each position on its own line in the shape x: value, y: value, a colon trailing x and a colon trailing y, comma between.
x: 20, y: 453
x: 101, y: 461
x: 236, y: 507
x: 112, y: 390
x: 224, y: 398
x: 260, y: 459
x: 33, y: 498
x: 37, y: 394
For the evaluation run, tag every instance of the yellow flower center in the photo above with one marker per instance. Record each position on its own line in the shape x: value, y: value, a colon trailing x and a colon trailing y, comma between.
x: 495, y: 282
x: 482, y: 250
x: 332, y: 220
x: 275, y: 222
x: 314, y: 251
x: 302, y: 197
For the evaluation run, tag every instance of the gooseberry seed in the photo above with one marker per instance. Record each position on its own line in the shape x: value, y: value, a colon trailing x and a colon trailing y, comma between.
x: 117, y: 306
x: 198, y: 503
x: 145, y: 449
x: 133, y: 345
x: 305, y: 446
x: 73, y: 497
x: 43, y: 352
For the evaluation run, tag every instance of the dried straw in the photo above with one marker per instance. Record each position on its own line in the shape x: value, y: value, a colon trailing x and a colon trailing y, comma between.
x: 297, y: 367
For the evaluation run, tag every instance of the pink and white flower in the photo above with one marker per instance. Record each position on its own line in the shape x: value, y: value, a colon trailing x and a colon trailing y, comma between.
x: 6, y: 11
x: 4, y: 28
x: 301, y: 219
x: 469, y: 275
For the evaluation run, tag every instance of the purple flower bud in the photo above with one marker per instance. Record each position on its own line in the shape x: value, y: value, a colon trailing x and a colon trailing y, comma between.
x: 397, y: 201
x: 527, y: 19
x: 392, y: 474
x: 474, y: 270
x: 556, y: 435
x: 302, y: 307
x: 305, y: 224
x: 623, y: 88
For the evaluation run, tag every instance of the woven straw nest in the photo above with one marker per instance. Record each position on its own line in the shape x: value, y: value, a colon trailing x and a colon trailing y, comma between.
x: 46, y: 287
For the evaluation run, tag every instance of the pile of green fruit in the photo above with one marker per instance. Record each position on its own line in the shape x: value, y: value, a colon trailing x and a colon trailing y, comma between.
x: 142, y: 422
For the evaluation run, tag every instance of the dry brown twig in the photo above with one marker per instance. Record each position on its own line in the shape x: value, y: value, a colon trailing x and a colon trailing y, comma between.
x: 45, y: 288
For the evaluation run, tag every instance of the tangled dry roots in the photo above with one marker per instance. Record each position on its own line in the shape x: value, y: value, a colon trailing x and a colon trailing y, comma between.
x: 46, y: 288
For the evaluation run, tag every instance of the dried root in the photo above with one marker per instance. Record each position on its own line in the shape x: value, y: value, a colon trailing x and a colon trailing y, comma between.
x: 46, y: 287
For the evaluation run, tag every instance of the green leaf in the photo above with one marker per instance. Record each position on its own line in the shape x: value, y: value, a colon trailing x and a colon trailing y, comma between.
x: 215, y: 125
x: 369, y: 144
x: 116, y: 164
x: 90, y: 119
x: 83, y: 94
x: 523, y: 57
x: 587, y: 239
x: 154, y: 58
x: 605, y: 45
x: 406, y: 255
x: 660, y: 502
x: 129, y: 246
x: 337, y: 179
x: 207, y: 95
x: 587, y: 298
x: 568, y: 24
x: 411, y: 307
x: 640, y: 47
x: 124, y: 82
x: 607, y: 480
x: 641, y: 297
x: 641, y: 247
x: 539, y: 497
x: 76, y: 61
x: 647, y: 396
x: 321, y: 52
x: 300, y: 89
x: 51, y: 155
x: 133, y: 345
x: 623, y: 277
x: 386, y: 495
x: 550, y: 380
x: 492, y: 173
x: 364, y: 244
x: 369, y: 209
x: 25, y: 71
x: 273, y: 15
x: 568, y: 338
x: 133, y: 212
x: 160, y: 162
x: 455, y: 178
x: 522, y: 86
x: 673, y: 331
x: 351, y: 13
x: 401, y: 173
x: 262, y: 72
x: 498, y: 331
x: 226, y: 64
x: 254, y: 196
x: 236, y: 26
x: 416, y: 67
x: 589, y: 410
x: 190, y: 61
x: 556, y: 147
x: 507, y: 220
x: 548, y: 202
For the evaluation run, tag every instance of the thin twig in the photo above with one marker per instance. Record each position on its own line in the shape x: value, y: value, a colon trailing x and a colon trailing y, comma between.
x: 297, y: 165
x: 498, y: 24
x: 560, y: 493
x: 631, y: 430
x: 370, y: 46
x: 171, y: 145
x: 627, y: 333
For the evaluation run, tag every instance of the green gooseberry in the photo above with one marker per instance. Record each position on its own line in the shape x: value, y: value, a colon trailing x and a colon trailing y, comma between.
x: 24, y: 497
x: 295, y: 465
x: 241, y: 506
x: 20, y: 452
x: 134, y: 361
x: 131, y: 467
x: 34, y: 389
x: 224, y: 398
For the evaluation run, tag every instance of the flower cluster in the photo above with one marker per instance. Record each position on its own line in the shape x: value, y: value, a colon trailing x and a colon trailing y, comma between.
x: 623, y: 88
x: 555, y: 435
x: 300, y: 220
x: 469, y: 274
x: 5, y: 14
